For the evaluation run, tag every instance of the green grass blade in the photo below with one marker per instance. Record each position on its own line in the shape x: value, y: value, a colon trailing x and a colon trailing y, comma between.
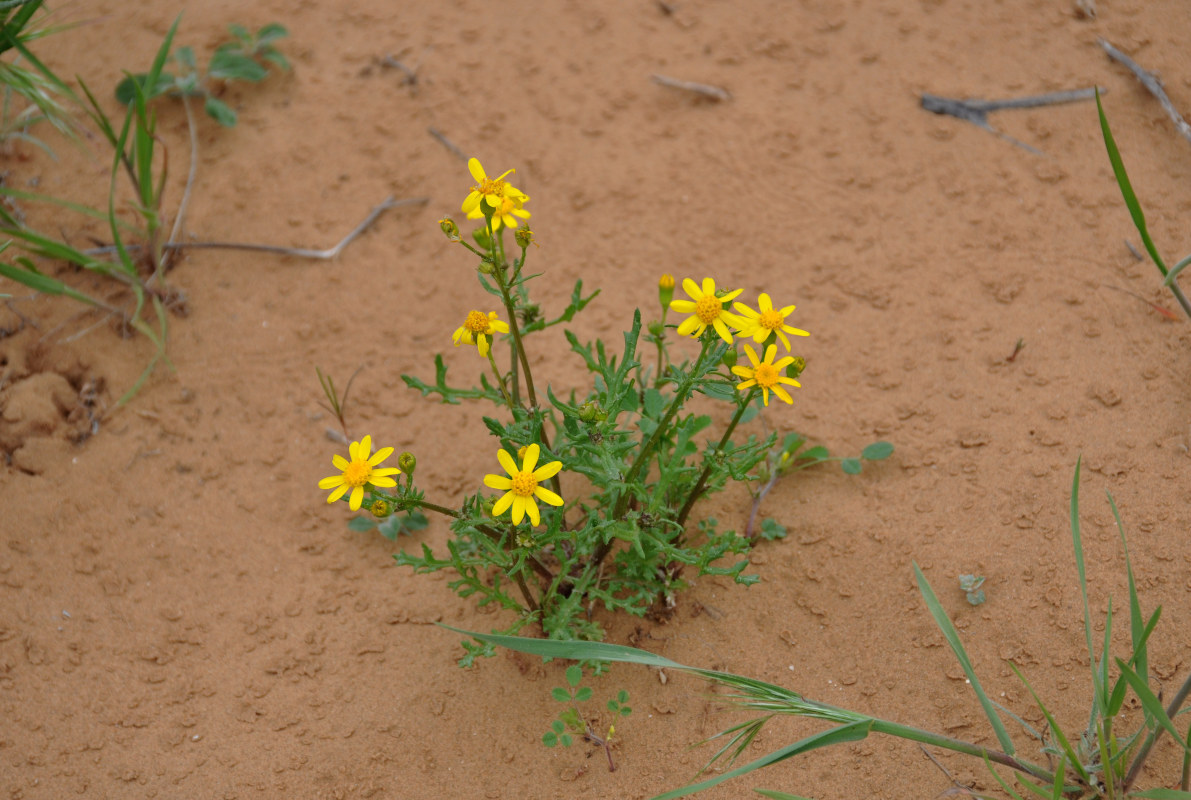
x: 1151, y: 704
x: 1069, y: 756
x: 772, y: 795
x: 1004, y: 785
x: 1137, y: 625
x: 1056, y: 789
x: 952, y: 636
x: 45, y: 284
x: 1077, y: 540
x: 852, y: 732
x: 1118, y: 169
x: 1162, y: 794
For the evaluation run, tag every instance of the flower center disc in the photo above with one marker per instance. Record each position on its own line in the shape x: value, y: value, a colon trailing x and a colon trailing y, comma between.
x: 766, y: 376
x: 490, y: 187
x: 524, y: 484
x: 357, y: 473
x: 476, y: 322
x: 708, y: 309
x: 771, y: 320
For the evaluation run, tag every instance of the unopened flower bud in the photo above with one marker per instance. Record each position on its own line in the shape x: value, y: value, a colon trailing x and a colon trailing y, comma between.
x: 795, y: 369
x: 380, y: 508
x: 591, y: 412
x: 449, y: 228
x: 408, y: 462
x: 656, y: 329
x: 524, y: 540
x: 729, y: 359
x: 524, y: 237
x: 481, y: 237
x: 486, y: 267
x: 666, y: 289
x: 487, y: 505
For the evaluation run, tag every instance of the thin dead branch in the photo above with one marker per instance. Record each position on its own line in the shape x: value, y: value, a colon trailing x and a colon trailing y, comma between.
x: 1152, y: 83
x: 706, y: 90
x: 976, y: 111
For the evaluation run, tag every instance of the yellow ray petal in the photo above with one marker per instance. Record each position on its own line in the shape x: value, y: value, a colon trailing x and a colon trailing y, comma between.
x: 477, y: 170
x: 547, y: 471
x: 507, y: 461
x: 531, y: 457
x: 502, y: 505
x: 498, y: 482
x: 547, y: 496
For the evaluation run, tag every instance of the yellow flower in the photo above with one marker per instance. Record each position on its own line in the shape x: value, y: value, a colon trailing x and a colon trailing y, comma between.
x: 478, y: 329
x: 493, y: 191
x: 359, y: 471
x: 760, y: 324
x: 766, y: 374
x: 521, y: 487
x: 506, y: 212
x: 705, y: 309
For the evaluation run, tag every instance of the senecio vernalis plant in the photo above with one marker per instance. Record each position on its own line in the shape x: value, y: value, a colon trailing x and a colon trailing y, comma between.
x: 591, y: 503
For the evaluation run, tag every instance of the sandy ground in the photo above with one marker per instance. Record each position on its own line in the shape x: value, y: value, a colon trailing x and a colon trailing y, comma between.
x: 181, y: 614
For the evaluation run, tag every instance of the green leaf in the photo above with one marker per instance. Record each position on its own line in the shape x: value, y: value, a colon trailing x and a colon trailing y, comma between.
x: 877, y: 451
x: 583, y: 694
x: 270, y: 33
x: 952, y: 637
x: 817, y: 453
x: 230, y: 65
x: 852, y: 732
x: 851, y: 466
x: 771, y: 529
x: 550, y: 739
x: 560, y: 694
x: 220, y: 111
x: 574, y: 675
x: 1118, y: 169
x: 1151, y: 704
x: 126, y: 89
x: 361, y: 524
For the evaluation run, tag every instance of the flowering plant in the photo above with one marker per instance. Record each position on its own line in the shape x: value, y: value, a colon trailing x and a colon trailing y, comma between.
x: 598, y: 488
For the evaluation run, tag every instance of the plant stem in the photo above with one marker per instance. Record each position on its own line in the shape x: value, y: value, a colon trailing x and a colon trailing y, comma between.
x: 500, y: 380
x: 1182, y: 298
x: 702, y: 482
x: 1175, y: 704
x: 643, y: 456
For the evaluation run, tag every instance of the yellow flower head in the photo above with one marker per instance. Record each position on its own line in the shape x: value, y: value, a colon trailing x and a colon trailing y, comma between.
x: 768, y: 320
x: 506, y: 212
x: 666, y: 281
x: 359, y: 471
x: 522, y: 485
x: 665, y: 290
x: 706, y: 310
x: 766, y: 374
x: 478, y: 329
x: 492, y: 191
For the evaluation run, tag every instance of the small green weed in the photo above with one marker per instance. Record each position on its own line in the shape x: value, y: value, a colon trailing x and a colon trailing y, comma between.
x: 245, y: 58
x: 571, y: 722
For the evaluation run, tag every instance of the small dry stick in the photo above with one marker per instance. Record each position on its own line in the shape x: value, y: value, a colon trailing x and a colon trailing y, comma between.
x: 1152, y: 83
x: 324, y: 255
x: 977, y: 111
x: 411, y: 74
x: 447, y: 143
x: 714, y: 92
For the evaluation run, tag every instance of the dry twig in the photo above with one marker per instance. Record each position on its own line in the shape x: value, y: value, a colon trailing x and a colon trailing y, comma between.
x: 1152, y: 83
x: 713, y: 92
